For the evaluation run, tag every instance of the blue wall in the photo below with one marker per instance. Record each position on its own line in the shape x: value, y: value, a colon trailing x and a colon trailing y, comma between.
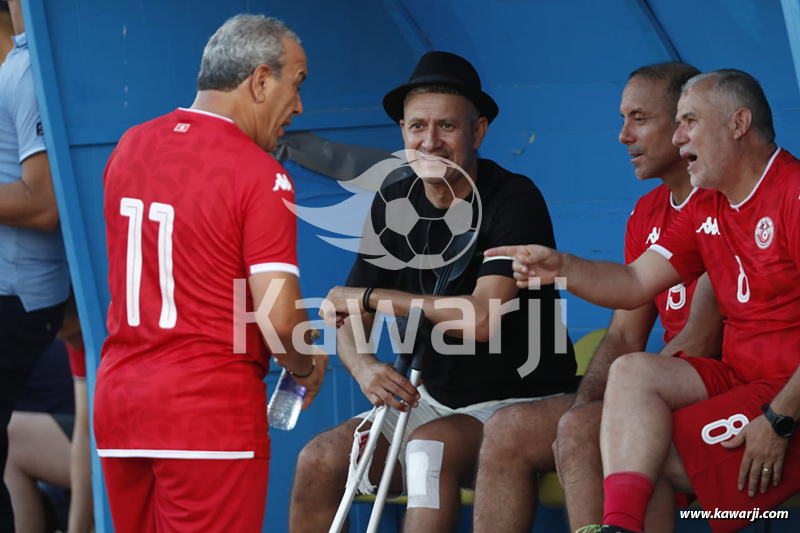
x: 557, y: 68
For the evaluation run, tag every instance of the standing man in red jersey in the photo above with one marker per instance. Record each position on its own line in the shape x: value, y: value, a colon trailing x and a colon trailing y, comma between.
x: 721, y: 429
x: 518, y: 440
x: 194, y: 205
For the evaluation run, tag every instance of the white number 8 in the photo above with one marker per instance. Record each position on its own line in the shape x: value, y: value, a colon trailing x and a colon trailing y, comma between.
x: 732, y: 426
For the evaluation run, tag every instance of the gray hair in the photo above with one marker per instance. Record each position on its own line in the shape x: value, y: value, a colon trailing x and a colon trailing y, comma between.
x: 238, y: 47
x: 472, y: 110
x: 737, y: 90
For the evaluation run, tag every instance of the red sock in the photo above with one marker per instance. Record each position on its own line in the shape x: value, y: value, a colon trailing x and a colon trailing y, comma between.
x: 627, y: 496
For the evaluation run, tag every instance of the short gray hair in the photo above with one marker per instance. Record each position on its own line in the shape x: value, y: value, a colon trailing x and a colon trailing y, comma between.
x: 472, y: 110
x: 238, y: 47
x: 739, y: 90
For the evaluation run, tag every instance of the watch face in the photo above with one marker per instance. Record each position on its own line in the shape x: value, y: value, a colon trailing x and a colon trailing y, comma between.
x: 784, y: 426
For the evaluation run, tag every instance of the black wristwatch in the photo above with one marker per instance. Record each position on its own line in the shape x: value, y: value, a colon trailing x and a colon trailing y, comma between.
x: 784, y: 426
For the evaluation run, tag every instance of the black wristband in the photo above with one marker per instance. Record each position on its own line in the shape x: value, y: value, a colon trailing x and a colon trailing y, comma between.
x: 365, y: 300
x: 313, y: 366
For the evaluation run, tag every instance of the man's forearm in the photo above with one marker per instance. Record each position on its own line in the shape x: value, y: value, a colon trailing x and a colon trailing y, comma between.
x: 787, y: 401
x: 467, y: 317
x: 700, y: 342
x: 604, y: 283
x: 80, y: 510
x: 30, y: 202
x: 352, y: 352
x: 20, y: 207
x: 701, y: 336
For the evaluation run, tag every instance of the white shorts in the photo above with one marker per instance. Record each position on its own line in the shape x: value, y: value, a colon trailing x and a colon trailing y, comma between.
x: 429, y: 410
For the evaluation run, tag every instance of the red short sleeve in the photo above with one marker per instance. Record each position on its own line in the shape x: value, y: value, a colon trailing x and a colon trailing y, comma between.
x: 679, y: 245
x: 633, y: 247
x: 269, y: 227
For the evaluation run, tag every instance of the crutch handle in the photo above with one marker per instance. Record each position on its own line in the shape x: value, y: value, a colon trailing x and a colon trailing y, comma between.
x: 403, y: 361
x: 421, y: 331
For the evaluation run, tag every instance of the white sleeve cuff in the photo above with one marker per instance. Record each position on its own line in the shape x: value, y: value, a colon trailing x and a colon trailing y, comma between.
x: 275, y: 267
x: 661, y: 250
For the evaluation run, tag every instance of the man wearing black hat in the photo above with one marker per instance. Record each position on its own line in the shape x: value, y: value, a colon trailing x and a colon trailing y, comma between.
x: 443, y: 114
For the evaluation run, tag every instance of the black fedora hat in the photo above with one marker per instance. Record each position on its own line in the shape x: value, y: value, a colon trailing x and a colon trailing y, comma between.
x: 449, y: 70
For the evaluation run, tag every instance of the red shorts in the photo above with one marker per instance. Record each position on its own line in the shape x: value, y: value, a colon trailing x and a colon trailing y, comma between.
x: 699, y: 429
x: 177, y: 495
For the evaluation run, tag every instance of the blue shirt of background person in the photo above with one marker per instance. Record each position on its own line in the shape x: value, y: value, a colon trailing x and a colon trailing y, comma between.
x: 33, y: 264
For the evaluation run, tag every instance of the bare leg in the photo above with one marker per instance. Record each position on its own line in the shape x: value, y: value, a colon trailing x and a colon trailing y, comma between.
x: 517, y: 445
x: 581, y: 475
x: 675, y: 474
x: 660, y: 516
x: 646, y: 389
x: 579, y: 464
x: 321, y: 475
x: 461, y: 435
x: 38, y: 450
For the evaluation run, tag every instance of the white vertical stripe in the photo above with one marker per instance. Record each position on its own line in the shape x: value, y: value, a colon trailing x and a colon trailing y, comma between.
x: 164, y: 214
x: 133, y: 208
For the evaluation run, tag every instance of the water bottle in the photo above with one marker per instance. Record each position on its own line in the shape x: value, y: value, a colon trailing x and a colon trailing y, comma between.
x: 284, y: 405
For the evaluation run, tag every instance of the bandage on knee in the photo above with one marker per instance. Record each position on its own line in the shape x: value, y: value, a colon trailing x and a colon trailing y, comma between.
x: 423, y: 469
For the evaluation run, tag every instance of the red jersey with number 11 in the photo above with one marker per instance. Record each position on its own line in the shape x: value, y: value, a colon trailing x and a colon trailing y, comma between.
x: 191, y: 205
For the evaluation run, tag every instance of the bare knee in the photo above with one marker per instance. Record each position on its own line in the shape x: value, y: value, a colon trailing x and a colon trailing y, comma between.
x: 505, y: 433
x: 632, y: 370
x: 325, y: 458
x: 457, y: 438
x: 578, y: 431
x: 21, y: 441
x: 16, y: 441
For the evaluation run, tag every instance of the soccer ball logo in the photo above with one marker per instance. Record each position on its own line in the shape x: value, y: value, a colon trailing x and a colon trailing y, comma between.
x: 448, y: 233
x: 437, y: 231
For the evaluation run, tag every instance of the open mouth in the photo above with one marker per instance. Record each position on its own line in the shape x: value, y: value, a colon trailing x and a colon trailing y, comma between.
x: 690, y: 157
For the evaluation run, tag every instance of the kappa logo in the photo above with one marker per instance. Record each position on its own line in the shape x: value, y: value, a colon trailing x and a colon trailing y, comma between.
x: 709, y: 227
x: 654, y: 235
x: 282, y: 183
x: 181, y: 127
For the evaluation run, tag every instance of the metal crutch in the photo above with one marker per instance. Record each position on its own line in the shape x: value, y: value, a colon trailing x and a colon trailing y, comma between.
x: 421, y: 341
x: 401, y: 365
x: 464, y: 245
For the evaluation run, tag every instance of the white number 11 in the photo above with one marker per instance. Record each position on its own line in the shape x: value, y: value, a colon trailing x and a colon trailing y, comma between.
x: 164, y: 214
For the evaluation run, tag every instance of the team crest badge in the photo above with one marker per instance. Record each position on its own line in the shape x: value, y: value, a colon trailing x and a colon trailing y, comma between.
x: 765, y: 232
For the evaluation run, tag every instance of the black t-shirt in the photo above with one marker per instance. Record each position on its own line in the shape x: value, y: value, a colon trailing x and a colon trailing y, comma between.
x: 514, y: 212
